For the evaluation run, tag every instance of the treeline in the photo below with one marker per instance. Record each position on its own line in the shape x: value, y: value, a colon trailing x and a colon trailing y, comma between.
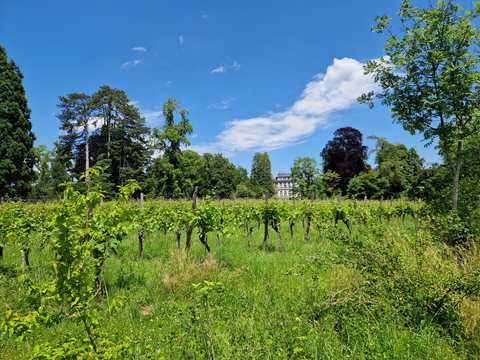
x: 399, y: 173
x: 104, y: 129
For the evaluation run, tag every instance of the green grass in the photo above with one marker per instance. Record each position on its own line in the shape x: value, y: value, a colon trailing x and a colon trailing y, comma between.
x: 312, y: 301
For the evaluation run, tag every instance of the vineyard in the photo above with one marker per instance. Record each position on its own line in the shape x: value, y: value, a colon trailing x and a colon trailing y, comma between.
x: 255, y: 279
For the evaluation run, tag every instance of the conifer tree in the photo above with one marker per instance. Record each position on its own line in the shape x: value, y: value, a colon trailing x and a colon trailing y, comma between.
x: 17, y: 156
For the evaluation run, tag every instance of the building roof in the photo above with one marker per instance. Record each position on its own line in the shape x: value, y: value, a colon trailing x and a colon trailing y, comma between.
x: 283, y: 174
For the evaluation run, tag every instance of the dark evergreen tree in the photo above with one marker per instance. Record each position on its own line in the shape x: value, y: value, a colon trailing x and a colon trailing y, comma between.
x: 77, y: 120
x: 345, y: 155
x: 123, y: 145
x: 17, y: 156
x: 261, y: 178
x: 106, y: 130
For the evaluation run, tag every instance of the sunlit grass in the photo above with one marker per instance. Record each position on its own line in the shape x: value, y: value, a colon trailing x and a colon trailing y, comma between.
x: 306, y: 302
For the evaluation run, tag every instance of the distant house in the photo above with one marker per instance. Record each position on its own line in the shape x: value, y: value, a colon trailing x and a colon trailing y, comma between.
x: 284, y: 186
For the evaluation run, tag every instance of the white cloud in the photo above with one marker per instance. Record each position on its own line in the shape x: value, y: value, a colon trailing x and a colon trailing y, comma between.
x: 223, y: 105
x: 152, y: 118
x: 219, y: 69
x: 126, y: 64
x: 168, y: 83
x: 139, y: 48
x: 235, y: 65
x: 223, y: 68
x: 326, y: 94
x: 181, y: 40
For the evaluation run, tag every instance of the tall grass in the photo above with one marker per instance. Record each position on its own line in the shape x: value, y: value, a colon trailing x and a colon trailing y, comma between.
x: 367, y: 295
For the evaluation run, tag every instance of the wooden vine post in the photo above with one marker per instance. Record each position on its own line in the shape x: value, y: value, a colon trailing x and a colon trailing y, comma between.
x: 141, y: 232
x: 190, y: 227
x: 265, y: 236
x: 309, y: 219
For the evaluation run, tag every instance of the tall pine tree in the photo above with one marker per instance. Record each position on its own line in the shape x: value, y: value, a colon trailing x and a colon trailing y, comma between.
x: 123, y: 145
x: 104, y: 129
x: 17, y: 156
x: 77, y: 120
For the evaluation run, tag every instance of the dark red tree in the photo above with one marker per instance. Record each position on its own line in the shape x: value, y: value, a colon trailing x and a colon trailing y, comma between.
x: 345, y: 154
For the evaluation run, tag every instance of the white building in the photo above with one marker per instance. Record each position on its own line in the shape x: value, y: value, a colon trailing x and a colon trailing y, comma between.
x: 284, y: 186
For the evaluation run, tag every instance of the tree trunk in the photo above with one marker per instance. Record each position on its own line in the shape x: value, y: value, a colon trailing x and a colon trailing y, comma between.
x: 279, y: 244
x: 309, y: 219
x: 248, y: 236
x: 87, y: 151
x: 141, y: 237
x: 308, y: 227
x: 204, y: 242
x: 456, y: 180
x: 292, y: 223
x: 178, y: 236
x: 25, y: 260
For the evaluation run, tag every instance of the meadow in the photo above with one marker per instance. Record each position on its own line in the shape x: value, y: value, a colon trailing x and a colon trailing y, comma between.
x: 394, y: 287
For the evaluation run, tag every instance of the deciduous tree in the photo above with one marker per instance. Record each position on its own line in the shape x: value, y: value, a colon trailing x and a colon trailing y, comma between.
x: 345, y: 155
x: 430, y: 77
x: 305, y: 173
x: 168, y: 140
x: 261, y: 175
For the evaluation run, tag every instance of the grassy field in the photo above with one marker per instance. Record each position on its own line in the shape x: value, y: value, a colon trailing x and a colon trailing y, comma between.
x: 391, y: 291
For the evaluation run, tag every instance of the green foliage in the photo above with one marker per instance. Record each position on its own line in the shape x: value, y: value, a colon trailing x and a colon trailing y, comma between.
x: 429, y: 76
x: 261, y: 175
x: 17, y: 155
x: 451, y: 230
x: 365, y: 184
x: 307, y: 172
x: 206, y: 310
x: 396, y: 167
x: 71, y: 294
x: 331, y: 182
x: 218, y: 177
x: 102, y: 129
x: 168, y: 140
x: 123, y: 139
x: 357, y: 289
x: 345, y: 155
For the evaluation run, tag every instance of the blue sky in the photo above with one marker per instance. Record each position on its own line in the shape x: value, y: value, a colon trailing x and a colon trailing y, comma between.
x: 255, y: 76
